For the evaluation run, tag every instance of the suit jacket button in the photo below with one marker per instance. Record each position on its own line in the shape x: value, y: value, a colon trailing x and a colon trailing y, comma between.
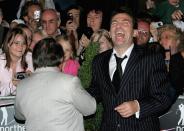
x: 118, y: 125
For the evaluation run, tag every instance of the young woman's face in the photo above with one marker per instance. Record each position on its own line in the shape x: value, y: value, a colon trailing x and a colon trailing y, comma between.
x: 17, y: 47
x: 168, y: 41
x: 104, y: 44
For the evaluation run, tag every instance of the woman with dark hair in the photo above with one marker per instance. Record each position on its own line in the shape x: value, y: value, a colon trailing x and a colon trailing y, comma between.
x: 13, y: 59
x: 53, y: 101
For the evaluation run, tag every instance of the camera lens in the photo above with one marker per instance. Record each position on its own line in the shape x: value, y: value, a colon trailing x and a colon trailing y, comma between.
x: 69, y: 17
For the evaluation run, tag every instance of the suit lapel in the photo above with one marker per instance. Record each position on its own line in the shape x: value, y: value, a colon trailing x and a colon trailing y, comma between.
x: 106, y: 75
x: 130, y: 67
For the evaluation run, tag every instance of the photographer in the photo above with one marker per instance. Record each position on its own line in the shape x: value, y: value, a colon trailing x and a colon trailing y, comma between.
x: 30, y: 13
x: 14, y: 59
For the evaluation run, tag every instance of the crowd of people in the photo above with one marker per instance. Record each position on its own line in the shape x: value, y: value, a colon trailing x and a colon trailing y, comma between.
x: 137, y: 73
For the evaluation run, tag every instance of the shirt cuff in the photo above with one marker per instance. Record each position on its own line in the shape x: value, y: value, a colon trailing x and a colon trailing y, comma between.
x: 137, y: 114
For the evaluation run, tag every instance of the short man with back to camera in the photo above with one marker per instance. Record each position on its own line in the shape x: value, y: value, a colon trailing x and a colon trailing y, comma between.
x: 49, y: 100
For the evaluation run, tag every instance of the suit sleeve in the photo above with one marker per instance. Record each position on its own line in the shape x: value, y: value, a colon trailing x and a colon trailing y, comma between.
x: 82, y: 100
x: 94, y: 89
x: 18, y: 111
x: 158, y: 99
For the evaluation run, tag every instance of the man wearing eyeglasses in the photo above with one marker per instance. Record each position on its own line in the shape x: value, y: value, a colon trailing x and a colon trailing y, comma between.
x: 143, y: 32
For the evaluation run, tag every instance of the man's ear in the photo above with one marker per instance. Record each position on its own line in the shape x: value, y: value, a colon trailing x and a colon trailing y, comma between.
x: 135, y: 33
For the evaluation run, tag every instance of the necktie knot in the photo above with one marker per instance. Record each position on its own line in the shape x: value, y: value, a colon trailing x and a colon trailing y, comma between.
x: 119, y: 60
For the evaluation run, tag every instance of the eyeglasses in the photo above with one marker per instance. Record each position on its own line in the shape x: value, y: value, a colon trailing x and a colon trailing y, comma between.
x: 143, y: 32
x: 19, y: 43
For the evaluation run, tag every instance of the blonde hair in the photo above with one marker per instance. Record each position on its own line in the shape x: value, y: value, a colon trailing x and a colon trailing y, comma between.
x: 67, y: 38
x: 100, y: 33
x: 177, y: 33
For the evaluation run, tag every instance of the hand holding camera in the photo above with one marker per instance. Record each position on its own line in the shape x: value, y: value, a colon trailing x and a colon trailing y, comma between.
x: 177, y: 15
x: 157, y: 24
x: 37, y: 15
x: 21, y: 75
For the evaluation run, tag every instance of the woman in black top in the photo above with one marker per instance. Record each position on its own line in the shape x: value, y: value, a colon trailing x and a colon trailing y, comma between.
x: 176, y: 70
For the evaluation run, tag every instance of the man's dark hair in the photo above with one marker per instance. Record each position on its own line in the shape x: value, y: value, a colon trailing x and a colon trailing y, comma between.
x: 127, y: 11
x: 74, y: 6
x: 47, y: 53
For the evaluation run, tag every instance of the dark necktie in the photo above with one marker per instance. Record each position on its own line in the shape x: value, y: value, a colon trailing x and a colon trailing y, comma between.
x: 116, y: 79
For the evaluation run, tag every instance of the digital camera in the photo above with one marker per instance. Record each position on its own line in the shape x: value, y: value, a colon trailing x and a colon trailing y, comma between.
x: 37, y: 14
x: 157, y: 24
x: 69, y: 17
x: 21, y: 75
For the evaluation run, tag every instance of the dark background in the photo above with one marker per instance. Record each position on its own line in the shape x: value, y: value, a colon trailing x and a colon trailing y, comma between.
x: 10, y: 7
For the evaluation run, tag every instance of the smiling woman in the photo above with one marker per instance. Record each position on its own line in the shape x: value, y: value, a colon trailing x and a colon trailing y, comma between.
x: 13, y: 59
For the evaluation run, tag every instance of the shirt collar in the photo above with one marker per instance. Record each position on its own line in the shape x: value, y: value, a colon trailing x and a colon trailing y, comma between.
x: 127, y: 52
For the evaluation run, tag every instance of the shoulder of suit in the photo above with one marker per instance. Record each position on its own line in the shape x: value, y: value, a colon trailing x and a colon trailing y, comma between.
x: 103, y: 54
x: 55, y: 77
x: 67, y: 78
x: 150, y: 49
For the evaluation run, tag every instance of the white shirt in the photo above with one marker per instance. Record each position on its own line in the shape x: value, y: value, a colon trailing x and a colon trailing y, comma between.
x: 112, y: 66
x: 112, y: 62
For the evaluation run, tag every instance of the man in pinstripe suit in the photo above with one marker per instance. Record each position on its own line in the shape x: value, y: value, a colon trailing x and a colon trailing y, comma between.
x: 142, y: 95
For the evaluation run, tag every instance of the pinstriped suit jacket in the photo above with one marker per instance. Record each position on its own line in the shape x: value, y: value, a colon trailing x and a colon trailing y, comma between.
x: 144, y: 79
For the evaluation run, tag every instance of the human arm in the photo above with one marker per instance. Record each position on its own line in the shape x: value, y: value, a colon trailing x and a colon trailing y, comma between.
x: 94, y: 89
x: 19, y: 117
x: 82, y: 100
x: 128, y: 109
x: 150, y: 4
x: 157, y: 99
x: 29, y: 63
x: 177, y: 15
x: 154, y: 32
